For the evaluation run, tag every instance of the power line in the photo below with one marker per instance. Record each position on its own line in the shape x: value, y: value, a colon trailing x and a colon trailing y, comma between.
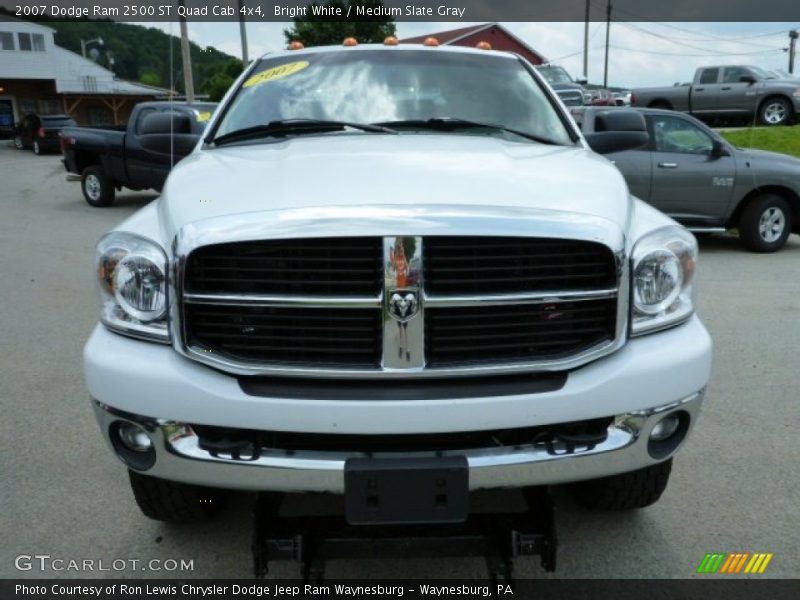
x: 713, y: 37
x: 672, y: 40
x: 756, y: 53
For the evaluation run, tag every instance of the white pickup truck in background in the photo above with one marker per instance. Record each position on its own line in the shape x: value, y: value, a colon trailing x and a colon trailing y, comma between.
x: 399, y: 260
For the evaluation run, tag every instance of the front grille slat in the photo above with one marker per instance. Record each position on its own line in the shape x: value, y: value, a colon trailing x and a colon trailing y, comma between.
x: 271, y: 308
x: 516, y: 333
x: 331, y: 266
x: 491, y: 265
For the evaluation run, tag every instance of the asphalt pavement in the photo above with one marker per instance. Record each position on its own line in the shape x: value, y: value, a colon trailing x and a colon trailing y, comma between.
x: 734, y: 487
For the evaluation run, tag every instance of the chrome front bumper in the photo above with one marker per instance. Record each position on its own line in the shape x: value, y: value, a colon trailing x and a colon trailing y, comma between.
x: 179, y: 456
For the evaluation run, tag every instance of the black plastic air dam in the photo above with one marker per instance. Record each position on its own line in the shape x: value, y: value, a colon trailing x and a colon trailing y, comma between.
x: 443, y: 388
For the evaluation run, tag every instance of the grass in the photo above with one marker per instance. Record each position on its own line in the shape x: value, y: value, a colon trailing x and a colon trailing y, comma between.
x: 775, y: 139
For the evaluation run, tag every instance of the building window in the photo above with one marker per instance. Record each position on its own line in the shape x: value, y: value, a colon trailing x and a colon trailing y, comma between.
x: 49, y: 107
x: 31, y: 42
x: 27, y: 107
x: 100, y: 116
x: 6, y: 40
x: 24, y: 41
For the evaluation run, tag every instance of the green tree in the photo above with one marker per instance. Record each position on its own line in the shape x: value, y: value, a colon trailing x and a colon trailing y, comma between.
x: 150, y: 78
x: 325, y: 31
x: 216, y: 85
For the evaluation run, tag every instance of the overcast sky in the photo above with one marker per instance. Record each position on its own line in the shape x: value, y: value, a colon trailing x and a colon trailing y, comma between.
x: 641, y: 54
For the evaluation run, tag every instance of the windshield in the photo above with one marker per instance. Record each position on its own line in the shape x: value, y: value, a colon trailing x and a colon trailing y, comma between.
x: 555, y: 75
x: 392, y: 86
x: 760, y: 73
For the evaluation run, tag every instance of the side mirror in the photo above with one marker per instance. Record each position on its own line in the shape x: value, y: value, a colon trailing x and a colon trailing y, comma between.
x: 618, y: 130
x: 581, y: 81
x: 168, y: 132
x: 747, y: 79
x: 718, y: 149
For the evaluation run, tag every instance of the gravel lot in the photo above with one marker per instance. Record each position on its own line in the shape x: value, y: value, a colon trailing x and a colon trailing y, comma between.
x: 734, y: 487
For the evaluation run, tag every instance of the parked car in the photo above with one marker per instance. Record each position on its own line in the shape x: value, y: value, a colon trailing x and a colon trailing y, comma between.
x: 695, y: 176
x: 108, y: 158
x: 730, y: 91
x: 622, y: 98
x: 602, y: 97
x: 572, y: 92
x: 41, y: 132
x: 266, y: 324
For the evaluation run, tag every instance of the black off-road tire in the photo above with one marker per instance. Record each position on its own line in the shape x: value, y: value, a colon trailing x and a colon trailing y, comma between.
x: 627, y: 491
x: 97, y: 188
x: 174, y: 502
x: 770, y: 208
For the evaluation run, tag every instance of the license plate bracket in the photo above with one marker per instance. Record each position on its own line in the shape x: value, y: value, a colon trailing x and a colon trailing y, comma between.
x: 383, y: 491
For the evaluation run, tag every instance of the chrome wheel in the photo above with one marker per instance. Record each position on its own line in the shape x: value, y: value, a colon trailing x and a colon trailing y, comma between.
x: 36, y: 148
x: 775, y: 113
x: 771, y: 224
x: 92, y: 186
x: 18, y: 143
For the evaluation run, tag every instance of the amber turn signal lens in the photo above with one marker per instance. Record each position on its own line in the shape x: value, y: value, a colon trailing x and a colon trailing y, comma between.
x: 431, y: 41
x: 483, y: 45
x: 295, y: 45
x: 390, y: 41
x: 351, y: 41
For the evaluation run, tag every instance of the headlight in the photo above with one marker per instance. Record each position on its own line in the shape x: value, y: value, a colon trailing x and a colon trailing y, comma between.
x: 662, y: 272
x: 132, y: 272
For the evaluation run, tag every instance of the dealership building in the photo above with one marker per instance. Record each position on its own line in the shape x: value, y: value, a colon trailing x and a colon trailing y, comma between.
x: 36, y: 76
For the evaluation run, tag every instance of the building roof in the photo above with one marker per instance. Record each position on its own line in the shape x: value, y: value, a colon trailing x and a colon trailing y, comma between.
x: 453, y: 36
x: 449, y: 36
x: 5, y: 18
x: 79, y: 75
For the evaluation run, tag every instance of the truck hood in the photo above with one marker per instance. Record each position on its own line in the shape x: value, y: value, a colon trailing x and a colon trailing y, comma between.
x: 374, y: 170
x: 764, y: 158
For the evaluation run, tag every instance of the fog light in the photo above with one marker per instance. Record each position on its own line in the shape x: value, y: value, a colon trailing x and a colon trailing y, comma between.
x: 665, y: 428
x: 134, y: 437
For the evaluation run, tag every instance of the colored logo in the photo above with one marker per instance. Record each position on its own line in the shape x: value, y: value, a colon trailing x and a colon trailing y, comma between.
x: 735, y: 563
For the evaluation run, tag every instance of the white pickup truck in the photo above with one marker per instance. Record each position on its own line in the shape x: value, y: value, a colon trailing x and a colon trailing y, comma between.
x: 396, y: 256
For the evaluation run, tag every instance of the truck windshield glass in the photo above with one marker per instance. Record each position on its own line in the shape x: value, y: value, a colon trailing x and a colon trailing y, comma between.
x: 555, y: 75
x: 394, y: 85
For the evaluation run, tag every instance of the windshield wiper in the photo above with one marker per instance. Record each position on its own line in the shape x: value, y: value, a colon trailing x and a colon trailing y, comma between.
x: 455, y: 123
x: 295, y: 126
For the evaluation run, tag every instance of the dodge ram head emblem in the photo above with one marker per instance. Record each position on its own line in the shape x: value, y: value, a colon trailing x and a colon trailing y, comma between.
x: 403, y: 305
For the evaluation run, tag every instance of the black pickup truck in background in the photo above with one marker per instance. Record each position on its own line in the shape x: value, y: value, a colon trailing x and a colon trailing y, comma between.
x: 135, y: 155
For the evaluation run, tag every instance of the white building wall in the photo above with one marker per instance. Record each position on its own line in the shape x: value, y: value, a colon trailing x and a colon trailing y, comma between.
x: 18, y: 64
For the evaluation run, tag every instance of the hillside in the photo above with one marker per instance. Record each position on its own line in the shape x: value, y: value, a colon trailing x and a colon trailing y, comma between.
x: 143, y: 53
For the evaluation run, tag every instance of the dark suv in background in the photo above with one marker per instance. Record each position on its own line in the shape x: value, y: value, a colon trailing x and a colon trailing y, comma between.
x: 41, y: 132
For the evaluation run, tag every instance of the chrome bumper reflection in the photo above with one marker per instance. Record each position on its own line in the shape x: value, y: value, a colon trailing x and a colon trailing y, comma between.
x: 179, y: 457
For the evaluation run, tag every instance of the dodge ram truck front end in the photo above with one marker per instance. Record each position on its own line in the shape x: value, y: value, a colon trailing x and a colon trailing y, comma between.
x: 432, y: 275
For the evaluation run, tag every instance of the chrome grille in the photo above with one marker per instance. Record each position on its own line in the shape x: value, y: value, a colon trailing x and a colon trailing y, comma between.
x: 466, y: 305
x: 571, y: 97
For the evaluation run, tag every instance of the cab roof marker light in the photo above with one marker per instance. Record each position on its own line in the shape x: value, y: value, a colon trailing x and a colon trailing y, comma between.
x: 431, y: 42
x: 350, y: 42
x: 295, y: 45
x: 483, y: 45
x: 390, y: 41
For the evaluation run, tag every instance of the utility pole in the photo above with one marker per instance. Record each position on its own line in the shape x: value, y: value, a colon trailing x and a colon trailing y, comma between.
x: 608, y: 34
x: 243, y: 34
x: 586, y: 44
x: 792, y: 43
x: 188, y: 80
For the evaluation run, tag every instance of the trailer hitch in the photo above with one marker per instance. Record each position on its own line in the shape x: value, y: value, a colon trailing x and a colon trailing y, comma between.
x: 498, y: 537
